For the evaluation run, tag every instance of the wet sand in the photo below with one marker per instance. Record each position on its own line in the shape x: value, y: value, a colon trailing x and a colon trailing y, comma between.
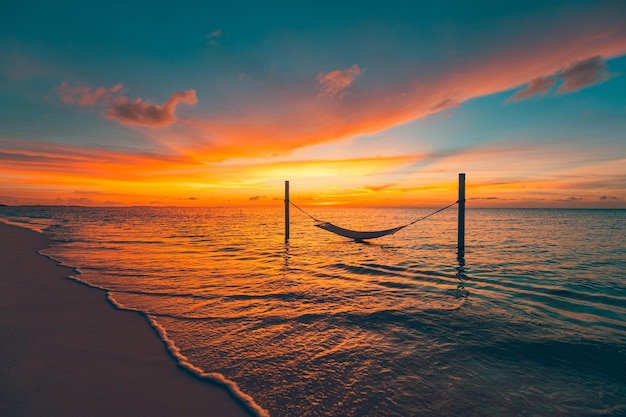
x: 66, y: 351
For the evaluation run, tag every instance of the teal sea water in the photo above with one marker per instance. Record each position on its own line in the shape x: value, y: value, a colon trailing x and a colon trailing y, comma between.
x: 530, y: 322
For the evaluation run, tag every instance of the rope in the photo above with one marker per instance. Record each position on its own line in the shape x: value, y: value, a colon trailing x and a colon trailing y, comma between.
x: 408, y: 224
x: 432, y: 214
x: 314, y: 219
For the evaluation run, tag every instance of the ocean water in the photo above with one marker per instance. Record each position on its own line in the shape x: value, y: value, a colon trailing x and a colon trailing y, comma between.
x: 530, y: 322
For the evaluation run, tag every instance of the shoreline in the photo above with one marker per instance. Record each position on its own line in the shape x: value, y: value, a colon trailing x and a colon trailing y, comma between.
x: 67, y: 351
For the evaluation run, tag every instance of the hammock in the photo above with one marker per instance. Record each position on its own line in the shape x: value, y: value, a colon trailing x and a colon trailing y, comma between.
x: 356, y: 235
x: 361, y: 236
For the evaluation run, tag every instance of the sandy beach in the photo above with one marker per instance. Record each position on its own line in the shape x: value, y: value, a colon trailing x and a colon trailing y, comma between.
x: 66, y: 351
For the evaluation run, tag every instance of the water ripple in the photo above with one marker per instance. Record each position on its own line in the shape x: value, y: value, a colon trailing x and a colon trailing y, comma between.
x: 530, y: 322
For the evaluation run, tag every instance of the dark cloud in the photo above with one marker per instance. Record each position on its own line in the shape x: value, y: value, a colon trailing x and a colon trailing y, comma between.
x: 21, y: 157
x: 82, y: 201
x: 445, y: 104
x: 582, y: 74
x: 576, y: 76
x: 539, y: 86
x: 126, y: 111
x: 257, y: 197
x: 145, y: 113
x: 605, y: 197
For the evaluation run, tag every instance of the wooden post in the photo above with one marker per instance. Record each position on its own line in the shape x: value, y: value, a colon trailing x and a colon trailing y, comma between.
x: 286, y: 211
x: 461, y: 217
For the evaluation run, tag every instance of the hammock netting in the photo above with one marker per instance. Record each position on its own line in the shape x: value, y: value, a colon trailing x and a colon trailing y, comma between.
x: 356, y: 235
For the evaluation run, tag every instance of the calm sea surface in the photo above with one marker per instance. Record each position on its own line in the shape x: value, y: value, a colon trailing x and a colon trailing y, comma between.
x: 532, y: 322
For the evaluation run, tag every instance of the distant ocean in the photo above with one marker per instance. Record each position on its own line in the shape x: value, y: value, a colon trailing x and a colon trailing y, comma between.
x: 531, y: 322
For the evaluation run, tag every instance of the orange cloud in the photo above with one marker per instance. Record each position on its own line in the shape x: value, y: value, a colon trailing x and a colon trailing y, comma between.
x: 334, y: 83
x: 84, y: 95
x: 28, y: 158
x: 42, y: 173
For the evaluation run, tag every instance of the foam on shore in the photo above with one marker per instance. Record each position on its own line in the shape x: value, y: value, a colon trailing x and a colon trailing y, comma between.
x: 62, y: 353
x: 214, y: 377
x: 247, y: 400
x: 182, y: 360
x: 240, y: 396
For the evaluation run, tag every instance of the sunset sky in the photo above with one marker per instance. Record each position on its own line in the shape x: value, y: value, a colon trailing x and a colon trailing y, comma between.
x: 365, y: 103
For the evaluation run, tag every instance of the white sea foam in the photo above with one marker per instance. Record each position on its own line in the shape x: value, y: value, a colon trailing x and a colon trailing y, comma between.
x: 246, y: 400
x: 234, y: 389
x: 37, y: 225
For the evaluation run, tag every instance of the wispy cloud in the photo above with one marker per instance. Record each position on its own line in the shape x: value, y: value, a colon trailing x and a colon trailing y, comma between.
x: 334, y: 83
x: 574, y: 77
x: 212, y: 37
x: 54, y: 159
x: 377, y: 188
x: 85, y: 96
x: 570, y: 199
x: 445, y: 104
x: 18, y: 65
